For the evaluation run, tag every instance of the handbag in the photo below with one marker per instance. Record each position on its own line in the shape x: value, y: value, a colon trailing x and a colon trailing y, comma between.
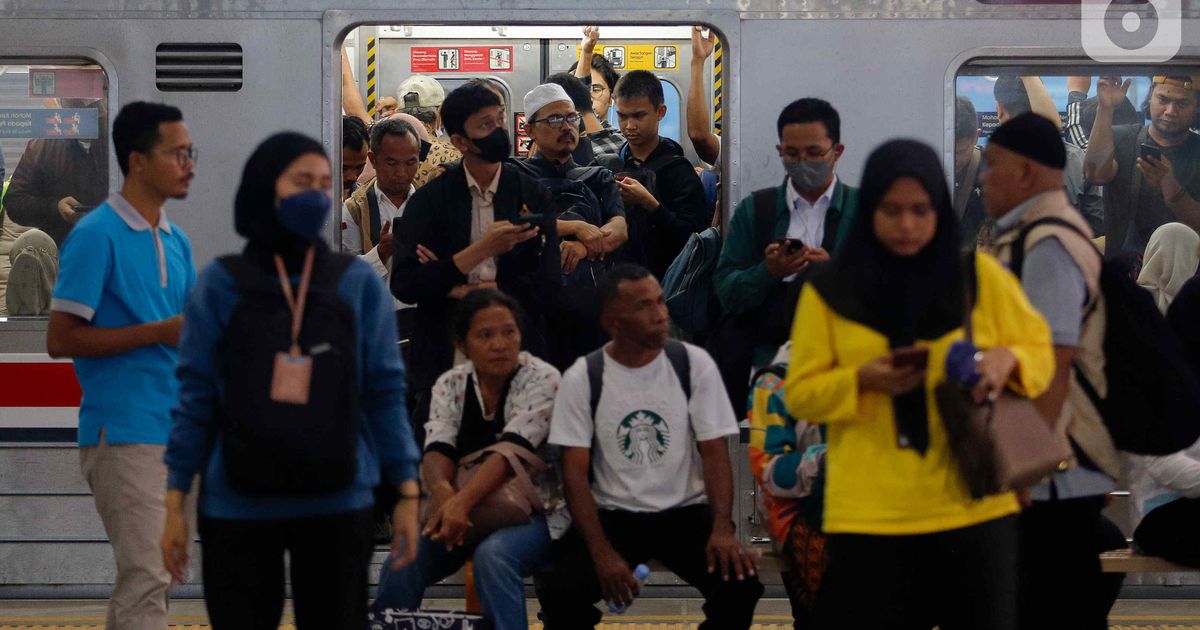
x: 1001, y: 444
x: 514, y: 502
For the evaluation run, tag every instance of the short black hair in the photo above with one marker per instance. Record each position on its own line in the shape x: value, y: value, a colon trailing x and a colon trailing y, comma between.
x: 601, y: 64
x: 354, y: 133
x: 476, y: 301
x: 1010, y: 92
x: 391, y: 127
x: 966, y: 119
x: 808, y: 110
x: 136, y: 129
x: 580, y: 97
x: 610, y: 288
x: 639, y: 84
x: 463, y: 101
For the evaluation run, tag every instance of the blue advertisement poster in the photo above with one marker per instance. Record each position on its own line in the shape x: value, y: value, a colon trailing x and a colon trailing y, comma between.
x: 80, y: 124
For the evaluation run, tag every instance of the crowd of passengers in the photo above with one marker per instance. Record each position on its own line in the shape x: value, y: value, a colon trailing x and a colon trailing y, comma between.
x: 548, y: 421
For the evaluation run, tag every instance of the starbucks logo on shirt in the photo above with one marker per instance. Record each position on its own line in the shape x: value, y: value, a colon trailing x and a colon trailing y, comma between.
x: 643, y: 437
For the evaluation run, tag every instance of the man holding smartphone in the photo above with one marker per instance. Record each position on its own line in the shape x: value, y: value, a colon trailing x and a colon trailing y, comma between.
x: 470, y: 229
x: 1150, y: 173
x: 778, y: 233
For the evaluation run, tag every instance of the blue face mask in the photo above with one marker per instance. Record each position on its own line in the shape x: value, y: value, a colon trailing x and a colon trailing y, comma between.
x: 304, y: 214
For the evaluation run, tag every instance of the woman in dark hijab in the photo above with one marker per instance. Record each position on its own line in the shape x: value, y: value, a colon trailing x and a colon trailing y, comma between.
x: 291, y: 408
x: 871, y: 340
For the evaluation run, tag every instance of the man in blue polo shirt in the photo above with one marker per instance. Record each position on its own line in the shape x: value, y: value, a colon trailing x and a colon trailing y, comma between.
x: 125, y: 275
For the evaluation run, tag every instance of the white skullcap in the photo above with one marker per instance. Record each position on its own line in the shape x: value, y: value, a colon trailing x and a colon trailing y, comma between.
x: 542, y: 96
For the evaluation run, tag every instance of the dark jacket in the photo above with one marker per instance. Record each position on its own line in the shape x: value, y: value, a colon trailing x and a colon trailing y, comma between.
x: 51, y: 170
x: 661, y: 234
x: 742, y: 281
x: 438, y: 216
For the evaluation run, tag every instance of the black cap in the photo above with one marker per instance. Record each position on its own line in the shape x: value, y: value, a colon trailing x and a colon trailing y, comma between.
x: 1033, y: 136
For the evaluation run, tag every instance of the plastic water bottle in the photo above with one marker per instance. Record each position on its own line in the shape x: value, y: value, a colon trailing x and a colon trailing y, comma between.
x: 640, y: 573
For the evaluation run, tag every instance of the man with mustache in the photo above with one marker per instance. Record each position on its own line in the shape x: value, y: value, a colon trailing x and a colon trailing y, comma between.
x: 591, y: 218
x: 1150, y: 174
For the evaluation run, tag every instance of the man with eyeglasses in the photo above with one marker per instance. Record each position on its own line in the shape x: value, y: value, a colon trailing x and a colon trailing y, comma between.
x: 590, y: 219
x: 126, y: 272
x: 777, y: 234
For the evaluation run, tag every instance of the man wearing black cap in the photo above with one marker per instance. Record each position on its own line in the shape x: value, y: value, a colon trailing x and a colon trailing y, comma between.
x: 1059, y: 563
x: 1150, y: 174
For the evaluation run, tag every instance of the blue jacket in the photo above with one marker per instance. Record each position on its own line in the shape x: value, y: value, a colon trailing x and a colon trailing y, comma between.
x: 385, y: 442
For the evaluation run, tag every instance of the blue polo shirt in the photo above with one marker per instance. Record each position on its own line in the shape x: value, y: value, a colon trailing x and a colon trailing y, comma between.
x: 117, y: 270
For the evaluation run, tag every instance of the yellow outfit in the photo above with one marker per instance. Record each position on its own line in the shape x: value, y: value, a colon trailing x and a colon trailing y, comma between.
x: 872, y: 485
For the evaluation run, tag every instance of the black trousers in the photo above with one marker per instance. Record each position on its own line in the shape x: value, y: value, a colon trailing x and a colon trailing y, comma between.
x: 958, y: 579
x: 1061, y: 583
x: 1169, y: 531
x: 677, y: 538
x: 244, y: 571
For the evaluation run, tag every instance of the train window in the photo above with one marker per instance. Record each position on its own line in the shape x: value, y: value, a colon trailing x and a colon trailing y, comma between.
x: 515, y: 59
x: 1152, y: 106
x: 54, y: 164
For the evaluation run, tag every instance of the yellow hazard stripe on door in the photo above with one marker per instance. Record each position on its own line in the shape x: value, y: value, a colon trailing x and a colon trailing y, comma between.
x: 371, y: 91
x: 718, y: 84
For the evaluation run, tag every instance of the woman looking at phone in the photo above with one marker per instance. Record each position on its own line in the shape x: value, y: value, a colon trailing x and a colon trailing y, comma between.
x: 900, y: 521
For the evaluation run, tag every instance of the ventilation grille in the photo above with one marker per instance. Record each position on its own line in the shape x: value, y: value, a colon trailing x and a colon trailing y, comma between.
x: 198, y: 67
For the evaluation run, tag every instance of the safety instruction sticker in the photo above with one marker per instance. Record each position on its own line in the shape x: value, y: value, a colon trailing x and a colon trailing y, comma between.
x: 640, y: 56
x: 66, y: 83
x: 521, y: 135
x: 433, y: 59
x: 81, y: 124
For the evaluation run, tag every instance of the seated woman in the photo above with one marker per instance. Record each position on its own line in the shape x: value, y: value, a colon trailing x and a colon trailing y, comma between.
x: 499, y: 395
x: 899, y: 521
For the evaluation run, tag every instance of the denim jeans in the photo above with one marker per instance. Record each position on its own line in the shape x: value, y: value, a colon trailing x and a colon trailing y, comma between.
x: 502, y: 561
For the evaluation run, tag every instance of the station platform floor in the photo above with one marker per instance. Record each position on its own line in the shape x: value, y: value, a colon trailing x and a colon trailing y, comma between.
x: 645, y: 614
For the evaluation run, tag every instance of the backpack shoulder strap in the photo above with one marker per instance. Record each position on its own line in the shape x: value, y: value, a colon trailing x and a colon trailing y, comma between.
x: 246, y: 274
x: 373, y: 210
x: 1018, y: 247
x: 677, y: 354
x: 764, y: 217
x: 595, y: 374
x: 329, y: 268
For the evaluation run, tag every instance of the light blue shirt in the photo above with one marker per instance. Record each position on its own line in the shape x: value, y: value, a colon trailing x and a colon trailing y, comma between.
x: 117, y: 270
x: 1056, y: 287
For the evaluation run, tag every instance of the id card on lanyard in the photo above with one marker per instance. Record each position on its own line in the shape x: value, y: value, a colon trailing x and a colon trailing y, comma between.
x: 292, y: 374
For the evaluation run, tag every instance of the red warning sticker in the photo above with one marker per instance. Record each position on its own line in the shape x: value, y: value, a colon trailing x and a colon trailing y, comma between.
x: 433, y: 59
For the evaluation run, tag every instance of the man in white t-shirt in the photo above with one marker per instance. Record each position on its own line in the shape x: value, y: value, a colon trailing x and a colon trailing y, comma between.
x: 646, y: 469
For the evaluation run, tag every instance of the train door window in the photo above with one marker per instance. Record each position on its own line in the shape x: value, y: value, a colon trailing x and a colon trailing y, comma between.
x: 1155, y: 111
x: 54, y: 164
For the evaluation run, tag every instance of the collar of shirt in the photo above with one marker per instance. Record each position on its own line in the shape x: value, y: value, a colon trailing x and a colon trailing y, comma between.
x: 795, y: 201
x: 558, y: 169
x: 133, y: 218
x: 483, y: 194
x: 1010, y: 220
x: 386, y: 207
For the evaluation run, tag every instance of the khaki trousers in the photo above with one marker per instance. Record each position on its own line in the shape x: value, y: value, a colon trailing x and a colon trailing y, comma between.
x: 129, y: 484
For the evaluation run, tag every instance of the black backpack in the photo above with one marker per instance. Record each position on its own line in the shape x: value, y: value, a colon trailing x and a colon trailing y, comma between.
x: 1153, y: 401
x: 676, y: 352
x: 279, y: 449
x: 574, y: 201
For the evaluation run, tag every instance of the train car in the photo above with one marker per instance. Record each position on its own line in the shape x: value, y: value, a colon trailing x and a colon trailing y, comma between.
x: 243, y: 69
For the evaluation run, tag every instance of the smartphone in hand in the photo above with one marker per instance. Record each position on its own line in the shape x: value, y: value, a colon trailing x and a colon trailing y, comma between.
x: 790, y: 245
x: 910, y: 357
x: 535, y: 219
x: 1149, y: 150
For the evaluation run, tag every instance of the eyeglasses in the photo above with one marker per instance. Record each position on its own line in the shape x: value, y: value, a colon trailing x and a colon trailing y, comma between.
x: 556, y: 120
x: 598, y: 89
x: 184, y: 155
x: 813, y: 153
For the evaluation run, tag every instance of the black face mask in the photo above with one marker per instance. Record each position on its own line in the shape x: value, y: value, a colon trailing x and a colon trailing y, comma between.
x: 493, y: 147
